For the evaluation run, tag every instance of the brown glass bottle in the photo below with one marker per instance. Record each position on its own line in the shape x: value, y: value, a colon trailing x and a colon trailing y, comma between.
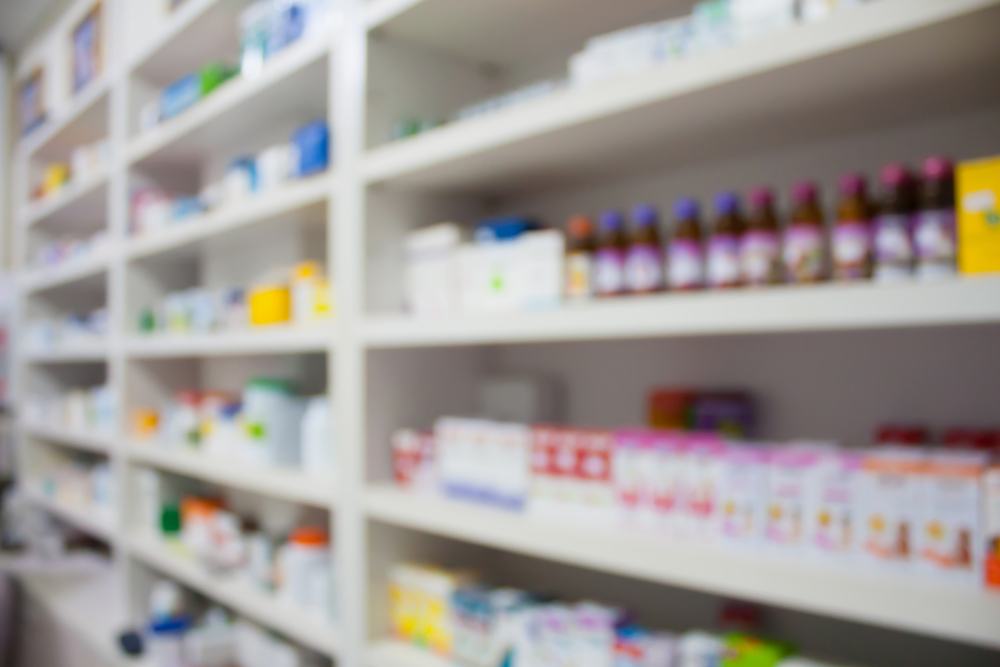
x: 804, y: 249
x: 760, y: 247
x: 609, y: 258
x: 644, y: 260
x: 723, y: 265
x: 580, y: 247
x: 852, y: 233
x: 685, y: 255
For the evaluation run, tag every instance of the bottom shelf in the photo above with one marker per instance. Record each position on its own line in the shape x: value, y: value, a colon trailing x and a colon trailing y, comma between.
x: 72, y: 599
x: 851, y: 593
x: 230, y: 591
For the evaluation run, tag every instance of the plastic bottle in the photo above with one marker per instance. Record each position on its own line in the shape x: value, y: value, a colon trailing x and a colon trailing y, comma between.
x: 852, y: 233
x: 580, y: 248
x: 893, y: 238
x: 805, y: 242
x: 685, y: 254
x: 760, y: 248
x: 609, y: 260
x: 724, y: 245
x: 644, y: 261
x: 934, y: 229
x: 316, y: 438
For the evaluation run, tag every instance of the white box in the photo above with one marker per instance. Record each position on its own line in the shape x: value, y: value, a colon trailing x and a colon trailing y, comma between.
x: 432, y: 269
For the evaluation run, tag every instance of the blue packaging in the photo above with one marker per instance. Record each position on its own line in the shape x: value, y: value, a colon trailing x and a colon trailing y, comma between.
x: 312, y: 147
x: 503, y: 229
x: 183, y: 207
x: 288, y: 26
x: 179, y: 96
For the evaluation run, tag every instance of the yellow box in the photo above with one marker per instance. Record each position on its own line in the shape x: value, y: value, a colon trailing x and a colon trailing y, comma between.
x: 270, y: 304
x: 977, y: 186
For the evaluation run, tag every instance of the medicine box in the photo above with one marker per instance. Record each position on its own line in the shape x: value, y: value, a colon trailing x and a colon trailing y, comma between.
x: 432, y: 269
x: 991, y: 527
x: 889, y: 491
x: 978, y: 191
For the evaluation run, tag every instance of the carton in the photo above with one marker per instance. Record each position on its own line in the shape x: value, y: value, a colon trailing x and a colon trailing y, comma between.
x: 788, y: 483
x: 991, y: 527
x: 977, y: 195
x: 889, y: 488
x: 948, y: 539
x: 831, y: 519
x: 742, y: 494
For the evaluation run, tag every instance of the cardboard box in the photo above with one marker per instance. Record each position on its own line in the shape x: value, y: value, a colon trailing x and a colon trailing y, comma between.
x: 978, y: 193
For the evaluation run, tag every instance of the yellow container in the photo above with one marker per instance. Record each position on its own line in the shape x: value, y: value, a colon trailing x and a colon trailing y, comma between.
x: 270, y: 304
x: 978, y: 193
x: 145, y: 423
x: 56, y: 175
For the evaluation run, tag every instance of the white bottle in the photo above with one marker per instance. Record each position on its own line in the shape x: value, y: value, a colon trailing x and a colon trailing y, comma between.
x: 316, y: 440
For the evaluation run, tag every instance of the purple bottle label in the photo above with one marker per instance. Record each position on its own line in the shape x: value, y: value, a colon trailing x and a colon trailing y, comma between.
x: 723, y: 260
x: 852, y: 249
x: 803, y: 253
x: 609, y: 271
x: 760, y: 257
x: 685, y: 264
x: 934, y: 238
x: 644, y: 268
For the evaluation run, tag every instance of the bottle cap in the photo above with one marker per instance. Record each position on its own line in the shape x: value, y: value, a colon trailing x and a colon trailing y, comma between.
x: 611, y: 220
x: 645, y: 215
x: 726, y: 203
x: 852, y: 185
x: 804, y: 192
x: 580, y: 226
x: 685, y: 208
x: 762, y: 197
x: 894, y: 175
x: 937, y: 168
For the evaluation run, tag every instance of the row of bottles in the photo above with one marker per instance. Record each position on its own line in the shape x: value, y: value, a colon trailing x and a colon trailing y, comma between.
x: 909, y: 231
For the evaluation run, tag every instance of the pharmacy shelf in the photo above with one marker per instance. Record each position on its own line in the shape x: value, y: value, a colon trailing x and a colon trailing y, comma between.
x: 952, y: 613
x: 70, y: 271
x: 238, y: 595
x: 72, y: 599
x: 186, y: 39
x: 274, y: 339
x: 71, y: 354
x: 277, y: 206
x: 785, y: 308
x: 284, y: 483
x: 91, y: 441
x: 805, y: 82
x: 81, y: 201
x: 395, y: 653
x: 292, y: 82
x: 80, y: 123
x: 81, y: 518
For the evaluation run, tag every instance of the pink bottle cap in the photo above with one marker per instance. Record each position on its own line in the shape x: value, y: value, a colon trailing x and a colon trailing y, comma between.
x: 762, y: 197
x: 852, y: 185
x: 894, y: 175
x: 937, y: 168
x: 804, y: 191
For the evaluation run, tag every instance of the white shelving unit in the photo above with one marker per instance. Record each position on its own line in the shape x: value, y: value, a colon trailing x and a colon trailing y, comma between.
x: 895, y: 79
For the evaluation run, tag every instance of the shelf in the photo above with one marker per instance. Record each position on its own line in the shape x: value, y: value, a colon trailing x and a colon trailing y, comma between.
x: 92, y: 441
x: 284, y: 483
x: 280, y: 204
x: 788, y: 308
x: 70, y: 271
x: 274, y: 339
x: 807, y: 82
x: 238, y: 595
x: 84, y: 201
x: 81, y: 518
x: 81, y: 123
x: 76, y: 353
x: 72, y: 601
x: 956, y: 614
x: 187, y: 39
x: 395, y: 653
x: 293, y: 82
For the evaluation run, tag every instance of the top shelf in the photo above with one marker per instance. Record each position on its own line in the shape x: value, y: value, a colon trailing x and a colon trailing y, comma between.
x: 84, y: 121
x: 890, y: 61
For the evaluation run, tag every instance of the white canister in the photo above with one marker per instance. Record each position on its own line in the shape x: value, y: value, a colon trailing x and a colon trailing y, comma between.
x: 305, y: 571
x: 271, y: 420
x: 317, y: 444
